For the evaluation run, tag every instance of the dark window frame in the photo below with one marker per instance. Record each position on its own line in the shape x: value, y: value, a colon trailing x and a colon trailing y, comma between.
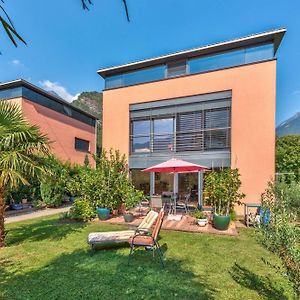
x: 196, y: 138
x: 82, y: 149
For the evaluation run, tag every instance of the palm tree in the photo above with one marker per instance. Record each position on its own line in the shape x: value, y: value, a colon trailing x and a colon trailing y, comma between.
x: 22, y: 153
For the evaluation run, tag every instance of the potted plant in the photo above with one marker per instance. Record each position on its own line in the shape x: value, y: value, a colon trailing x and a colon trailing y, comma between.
x: 201, y: 218
x: 223, y: 190
x: 131, y: 199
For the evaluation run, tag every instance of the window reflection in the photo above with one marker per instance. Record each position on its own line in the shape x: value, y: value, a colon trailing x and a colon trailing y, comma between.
x: 191, y: 66
x: 163, y: 183
x: 163, y: 134
x: 188, y: 184
x: 140, y: 136
x: 141, y: 180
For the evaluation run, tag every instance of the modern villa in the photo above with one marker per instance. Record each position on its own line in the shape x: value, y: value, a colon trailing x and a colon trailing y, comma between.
x: 213, y: 105
x: 71, y: 130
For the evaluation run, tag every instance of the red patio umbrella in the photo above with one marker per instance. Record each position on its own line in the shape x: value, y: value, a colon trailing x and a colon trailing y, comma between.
x: 175, y: 165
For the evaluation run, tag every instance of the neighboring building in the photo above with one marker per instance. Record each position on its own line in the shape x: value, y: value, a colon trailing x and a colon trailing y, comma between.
x: 71, y: 130
x: 213, y: 105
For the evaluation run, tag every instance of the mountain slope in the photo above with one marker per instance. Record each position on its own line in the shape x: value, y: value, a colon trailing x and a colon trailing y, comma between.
x: 290, y: 126
x: 91, y: 102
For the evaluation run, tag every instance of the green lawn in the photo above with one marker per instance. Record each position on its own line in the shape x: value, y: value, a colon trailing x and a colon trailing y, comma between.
x: 45, y: 259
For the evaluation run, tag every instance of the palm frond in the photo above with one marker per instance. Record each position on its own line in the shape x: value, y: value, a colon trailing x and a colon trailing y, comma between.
x: 126, y: 10
x: 22, y: 147
x: 9, y: 27
x: 86, y: 3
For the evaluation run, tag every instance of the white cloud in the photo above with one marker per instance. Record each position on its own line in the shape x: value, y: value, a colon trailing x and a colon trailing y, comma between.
x: 16, y: 62
x: 58, y: 89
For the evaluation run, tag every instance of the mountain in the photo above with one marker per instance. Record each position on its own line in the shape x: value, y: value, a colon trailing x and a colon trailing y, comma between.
x: 290, y: 126
x: 91, y: 102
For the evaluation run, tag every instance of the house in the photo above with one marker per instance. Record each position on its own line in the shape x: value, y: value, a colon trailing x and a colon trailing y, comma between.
x: 213, y: 105
x: 71, y: 130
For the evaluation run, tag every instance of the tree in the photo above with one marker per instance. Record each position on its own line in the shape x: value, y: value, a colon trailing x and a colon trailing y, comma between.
x: 22, y: 153
x: 288, y: 156
x: 86, y: 161
x: 12, y: 33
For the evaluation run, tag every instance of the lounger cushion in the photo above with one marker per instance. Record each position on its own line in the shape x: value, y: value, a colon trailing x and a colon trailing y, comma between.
x: 141, y: 240
x: 103, y: 238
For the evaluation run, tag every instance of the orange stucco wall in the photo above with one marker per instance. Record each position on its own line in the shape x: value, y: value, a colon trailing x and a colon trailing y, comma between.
x: 253, y: 116
x: 61, y: 130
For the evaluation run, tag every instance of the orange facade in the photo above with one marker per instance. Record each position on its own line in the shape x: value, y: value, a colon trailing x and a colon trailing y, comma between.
x: 253, y: 90
x: 61, y: 130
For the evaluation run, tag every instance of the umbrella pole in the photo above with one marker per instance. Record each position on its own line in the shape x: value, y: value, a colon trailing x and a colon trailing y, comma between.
x: 174, y: 193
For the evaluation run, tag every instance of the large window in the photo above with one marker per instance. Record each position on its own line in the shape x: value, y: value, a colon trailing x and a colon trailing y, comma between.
x: 204, y: 130
x: 140, y: 141
x: 135, y: 77
x: 141, y: 180
x: 192, y: 66
x: 217, y: 129
x: 163, y: 134
x: 163, y: 183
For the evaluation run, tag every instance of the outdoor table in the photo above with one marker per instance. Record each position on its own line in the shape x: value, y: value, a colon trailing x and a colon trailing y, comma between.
x: 246, y: 210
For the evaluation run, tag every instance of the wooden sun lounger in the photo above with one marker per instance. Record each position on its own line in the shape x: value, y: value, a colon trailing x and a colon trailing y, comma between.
x: 109, y: 239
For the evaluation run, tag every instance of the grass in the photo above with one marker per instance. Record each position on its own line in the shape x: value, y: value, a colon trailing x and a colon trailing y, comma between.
x: 45, y: 259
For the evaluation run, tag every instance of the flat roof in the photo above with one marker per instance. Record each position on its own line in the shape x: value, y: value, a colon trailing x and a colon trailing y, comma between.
x: 274, y: 36
x: 22, y: 82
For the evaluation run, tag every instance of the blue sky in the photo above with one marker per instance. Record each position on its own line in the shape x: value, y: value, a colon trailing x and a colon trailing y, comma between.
x: 67, y: 45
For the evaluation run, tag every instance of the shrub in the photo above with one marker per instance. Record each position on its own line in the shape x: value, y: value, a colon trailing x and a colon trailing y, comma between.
x: 288, y: 157
x: 31, y: 192
x: 82, y: 210
x: 108, y: 184
x: 223, y: 190
x: 52, y: 194
x: 280, y: 234
x: 64, y: 180
x: 199, y: 214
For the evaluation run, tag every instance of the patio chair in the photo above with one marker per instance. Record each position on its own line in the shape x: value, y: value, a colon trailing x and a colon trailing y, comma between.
x: 113, y: 238
x: 184, y: 204
x: 148, y: 242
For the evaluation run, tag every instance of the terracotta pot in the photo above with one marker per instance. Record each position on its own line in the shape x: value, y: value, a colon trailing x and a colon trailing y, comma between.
x: 122, y: 208
x: 115, y: 212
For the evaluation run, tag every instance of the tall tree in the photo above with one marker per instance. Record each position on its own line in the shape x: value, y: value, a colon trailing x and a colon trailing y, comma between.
x: 12, y: 33
x: 22, y: 152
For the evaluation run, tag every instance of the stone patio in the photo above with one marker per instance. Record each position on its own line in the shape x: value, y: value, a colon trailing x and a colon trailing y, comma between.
x: 186, y: 224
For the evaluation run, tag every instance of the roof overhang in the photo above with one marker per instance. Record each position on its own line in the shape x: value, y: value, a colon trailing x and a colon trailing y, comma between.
x: 22, y: 82
x: 273, y: 36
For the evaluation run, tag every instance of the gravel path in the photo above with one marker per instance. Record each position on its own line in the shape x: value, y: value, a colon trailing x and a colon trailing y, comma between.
x: 36, y: 214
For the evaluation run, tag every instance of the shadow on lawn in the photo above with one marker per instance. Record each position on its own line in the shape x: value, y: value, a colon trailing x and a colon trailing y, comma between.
x: 41, y: 230
x: 106, y: 275
x: 250, y: 280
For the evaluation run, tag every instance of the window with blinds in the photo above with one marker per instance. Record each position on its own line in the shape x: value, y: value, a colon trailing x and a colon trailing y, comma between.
x: 176, y: 68
x: 189, y: 133
x: 204, y: 130
x: 217, y: 129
